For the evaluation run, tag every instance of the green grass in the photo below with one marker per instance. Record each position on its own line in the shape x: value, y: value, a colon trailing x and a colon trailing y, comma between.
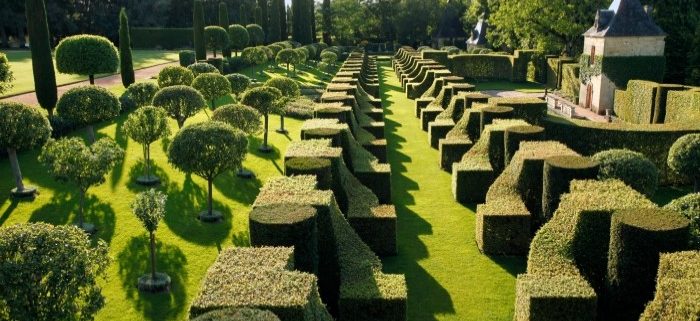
x: 448, y: 278
x: 186, y: 247
x: 21, y: 66
x: 523, y: 87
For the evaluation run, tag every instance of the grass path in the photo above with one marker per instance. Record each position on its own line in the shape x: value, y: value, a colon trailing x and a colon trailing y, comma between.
x: 448, y: 278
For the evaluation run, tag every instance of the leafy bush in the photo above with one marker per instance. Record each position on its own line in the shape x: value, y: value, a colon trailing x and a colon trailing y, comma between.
x: 239, y: 37
x: 234, y: 64
x: 689, y: 206
x: 243, y: 314
x: 6, y: 76
x: 187, y: 57
x: 287, y: 56
x: 239, y: 83
x: 141, y: 94
x: 301, y: 108
x: 180, y: 102
x: 146, y: 125
x: 684, y: 158
x: 483, y: 67
x: 212, y: 86
x: 256, y: 34
x: 216, y: 38
x: 217, y: 62
x: 630, y: 167
x: 174, y: 76
x: 202, y: 68
x: 87, y: 105
x: 243, y: 117
x: 161, y: 38
x: 329, y: 57
x: 86, y: 55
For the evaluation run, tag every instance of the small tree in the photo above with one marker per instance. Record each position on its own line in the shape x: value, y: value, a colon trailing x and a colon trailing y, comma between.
x: 217, y: 38
x: 242, y: 117
x: 264, y: 99
x: 207, y: 150
x: 302, y: 57
x: 287, y: 57
x: 180, y: 102
x: 69, y: 160
x: 200, y: 47
x: 50, y: 272
x: 86, y: 55
x: 329, y: 57
x: 256, y: 34
x: 224, y: 23
x: 88, y: 105
x: 212, y: 86
x: 146, y: 125
x: 238, y: 37
x: 290, y: 91
x: 239, y: 83
x: 255, y: 56
x: 684, y: 158
x: 202, y: 68
x: 22, y: 127
x: 175, y: 75
x: 141, y: 94
x: 42, y: 60
x: 125, y: 61
x: 6, y: 76
x: 149, y: 208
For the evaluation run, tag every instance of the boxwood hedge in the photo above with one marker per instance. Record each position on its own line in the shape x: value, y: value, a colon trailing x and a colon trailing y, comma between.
x: 676, y: 295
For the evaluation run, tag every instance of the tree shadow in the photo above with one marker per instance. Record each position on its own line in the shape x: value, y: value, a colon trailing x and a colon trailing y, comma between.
x: 138, y: 170
x: 241, y: 190
x: 134, y: 261
x: 254, y: 144
x: 123, y: 141
x: 183, y: 206
x: 63, y: 209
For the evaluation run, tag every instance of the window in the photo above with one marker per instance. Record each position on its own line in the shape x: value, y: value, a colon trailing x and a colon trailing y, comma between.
x: 591, y: 59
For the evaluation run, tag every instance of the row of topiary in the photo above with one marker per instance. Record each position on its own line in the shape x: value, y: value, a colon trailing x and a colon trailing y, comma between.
x: 647, y: 102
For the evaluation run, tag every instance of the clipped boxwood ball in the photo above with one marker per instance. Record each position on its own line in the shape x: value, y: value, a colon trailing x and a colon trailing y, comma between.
x: 689, y: 206
x: 88, y: 104
x: 239, y: 83
x: 633, y: 168
x: 141, y: 93
x: 684, y: 157
x: 202, y: 68
x: 175, y: 76
x: 86, y: 55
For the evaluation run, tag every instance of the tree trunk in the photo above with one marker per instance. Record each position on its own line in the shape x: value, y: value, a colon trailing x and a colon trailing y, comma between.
x: 91, y: 134
x: 213, y: 102
x: 92, y: 79
x: 14, y: 163
x: 282, y: 122
x: 209, y: 201
x: 80, y: 209
x: 214, y: 53
x: 287, y: 66
x: 266, y: 126
x: 180, y: 123
x: 147, y: 158
x: 153, y: 255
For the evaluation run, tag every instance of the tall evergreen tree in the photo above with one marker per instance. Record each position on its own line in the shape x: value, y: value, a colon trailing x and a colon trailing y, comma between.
x: 242, y: 14
x: 258, y: 15
x: 274, y: 32
x: 42, y: 61
x: 224, y: 23
x: 311, y: 7
x: 288, y: 21
x: 284, y: 33
x: 126, y: 65
x: 198, y: 29
x: 264, y: 16
x: 301, y: 24
x: 327, y: 24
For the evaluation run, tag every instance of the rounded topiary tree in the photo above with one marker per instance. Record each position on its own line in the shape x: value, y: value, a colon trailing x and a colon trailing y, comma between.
x: 175, y: 75
x: 70, y: 160
x: 6, y: 76
x: 239, y: 83
x: 329, y: 58
x: 217, y: 38
x: 22, y: 127
x: 202, y: 68
x: 212, y: 86
x: 290, y: 91
x: 180, y: 102
x: 146, y: 125
x: 689, y: 206
x: 207, y: 150
x: 224, y: 23
x: 264, y: 99
x: 88, y: 105
x: 126, y: 65
x: 255, y: 56
x: 86, y: 55
x: 632, y: 168
x: 141, y: 94
x: 238, y: 37
x: 256, y: 34
x: 684, y: 158
x: 38, y: 259
x: 149, y: 208
x: 242, y: 117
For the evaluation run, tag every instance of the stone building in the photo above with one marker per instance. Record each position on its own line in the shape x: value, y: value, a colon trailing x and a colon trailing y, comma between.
x: 478, y: 36
x: 622, y: 39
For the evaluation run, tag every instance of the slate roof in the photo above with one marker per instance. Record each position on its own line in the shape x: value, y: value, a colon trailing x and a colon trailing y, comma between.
x: 478, y: 36
x: 624, y: 18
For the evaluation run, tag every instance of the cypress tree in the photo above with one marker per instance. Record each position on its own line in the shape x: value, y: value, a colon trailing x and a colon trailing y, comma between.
x: 264, y: 16
x: 284, y: 33
x: 224, y: 23
x: 242, y: 15
x: 301, y: 24
x: 327, y: 21
x: 274, y: 33
x: 198, y: 28
x: 258, y: 16
x: 42, y: 61
x: 126, y: 65
x: 311, y: 6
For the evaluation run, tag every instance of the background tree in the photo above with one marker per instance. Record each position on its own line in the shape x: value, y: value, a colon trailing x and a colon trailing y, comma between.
x: 301, y: 25
x: 175, y: 75
x: 284, y: 31
x: 69, y: 160
x: 264, y: 99
x: 238, y: 35
x: 264, y: 16
x: 216, y: 38
x: 274, y: 30
x: 311, y: 7
x: 224, y: 23
x: 242, y: 117
x: 258, y: 15
x: 198, y: 29
x: 87, y: 105
x: 6, y: 76
x: 327, y: 21
x: 42, y: 60
x: 684, y: 158
x: 86, y: 55
x: 179, y: 102
x: 207, y: 150
x: 22, y: 127
x: 289, y: 90
x: 57, y: 279
x: 694, y: 61
x: 287, y: 57
x: 145, y: 126
x: 212, y: 86
x: 125, y: 61
x: 141, y: 94
x: 329, y: 57
x: 149, y: 208
x: 256, y: 34
x: 239, y: 83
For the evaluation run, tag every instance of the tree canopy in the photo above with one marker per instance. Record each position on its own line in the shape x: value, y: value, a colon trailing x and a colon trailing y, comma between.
x: 180, y: 102
x: 22, y: 126
x: 212, y: 86
x: 238, y: 36
x: 175, y: 75
x: 6, y: 76
x: 86, y: 55
x: 216, y: 38
x: 243, y: 117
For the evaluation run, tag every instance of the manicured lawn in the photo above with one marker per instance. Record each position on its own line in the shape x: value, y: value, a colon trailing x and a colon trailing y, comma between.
x: 523, y: 87
x: 448, y: 278
x: 21, y: 66
x: 186, y: 247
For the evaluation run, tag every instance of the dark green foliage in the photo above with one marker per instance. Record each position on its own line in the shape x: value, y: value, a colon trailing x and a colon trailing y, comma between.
x: 174, y: 76
x: 239, y: 83
x: 212, y: 86
x: 224, y: 23
x: 684, y: 158
x: 689, y: 206
x: 287, y: 225
x: 217, y: 62
x: 483, y: 67
x: 264, y: 21
x: 180, y: 102
x: 146, y: 125
x: 621, y: 70
x: 488, y: 114
x: 243, y: 117
x: 6, y: 76
x: 200, y: 46
x: 693, y: 70
x: 532, y: 110
x: 86, y: 55
x: 239, y: 37
x: 318, y: 167
x: 264, y: 99
x: 287, y: 56
x: 676, y: 295
x: 202, y: 68
x: 637, y: 238
x: 138, y: 95
x: 234, y: 65
x: 646, y: 102
x: 515, y: 135
x: 87, y: 105
x: 24, y: 127
x: 187, y: 57
x: 558, y: 173
x: 301, y: 25
x: 161, y: 38
x: 216, y: 38
x: 42, y: 61
x: 274, y: 28
x: 256, y: 34
x: 126, y: 65
x: 243, y: 314
x: 62, y: 261
x: 630, y: 167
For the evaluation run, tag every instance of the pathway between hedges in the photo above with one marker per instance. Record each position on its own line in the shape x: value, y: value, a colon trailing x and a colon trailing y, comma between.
x: 448, y: 278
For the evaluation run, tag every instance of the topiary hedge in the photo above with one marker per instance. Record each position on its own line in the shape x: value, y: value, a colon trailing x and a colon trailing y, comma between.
x: 570, y: 83
x: 483, y: 67
x: 318, y: 167
x: 630, y: 167
x: 161, y: 38
x: 243, y: 314
x: 557, y: 175
x: 676, y: 295
x: 682, y: 107
x: 516, y: 135
x: 689, y: 206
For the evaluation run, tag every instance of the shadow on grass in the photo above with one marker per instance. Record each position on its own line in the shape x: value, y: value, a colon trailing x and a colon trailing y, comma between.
x: 241, y: 190
x: 63, y: 209
x: 134, y: 261
x: 138, y: 170
x: 123, y: 141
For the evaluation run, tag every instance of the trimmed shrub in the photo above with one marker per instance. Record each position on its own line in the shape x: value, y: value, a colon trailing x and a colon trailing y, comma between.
x: 162, y: 38
x: 239, y: 83
x: 212, y: 86
x: 287, y: 56
x: 570, y: 83
x: 558, y: 173
x: 141, y: 94
x: 175, y: 76
x: 217, y: 62
x: 181, y: 102
x: 86, y: 55
x: 243, y: 314
x: 6, y: 76
x: 488, y: 115
x: 515, y: 135
x: 684, y: 158
x: 126, y: 65
x: 682, y: 107
x: 482, y: 67
x: 239, y: 37
x: 42, y: 61
x: 256, y: 34
x: 202, y: 68
x: 318, y: 167
x: 630, y: 167
x: 87, y: 105
x: 187, y: 57
x: 216, y: 38
x: 234, y: 65
x: 676, y: 296
x: 243, y: 117
x: 689, y: 206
